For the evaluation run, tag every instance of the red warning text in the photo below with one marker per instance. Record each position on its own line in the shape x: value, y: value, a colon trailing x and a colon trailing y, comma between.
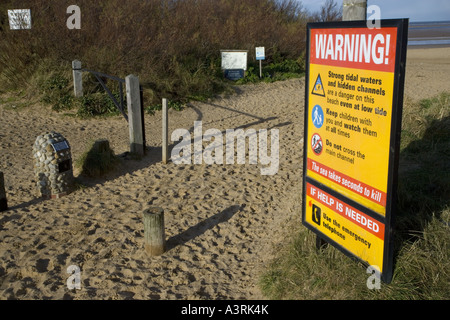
x: 362, y: 48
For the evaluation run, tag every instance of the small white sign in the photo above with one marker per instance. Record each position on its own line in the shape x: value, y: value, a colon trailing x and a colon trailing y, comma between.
x: 19, y: 19
x: 260, y: 53
x: 234, y: 59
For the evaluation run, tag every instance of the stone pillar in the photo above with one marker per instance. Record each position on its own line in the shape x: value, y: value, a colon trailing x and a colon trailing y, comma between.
x: 53, y: 165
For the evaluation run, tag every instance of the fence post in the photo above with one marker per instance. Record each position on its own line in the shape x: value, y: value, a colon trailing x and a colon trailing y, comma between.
x: 135, y: 115
x: 77, y: 78
x: 3, y: 202
x: 354, y: 10
x: 165, y: 131
x: 154, y: 234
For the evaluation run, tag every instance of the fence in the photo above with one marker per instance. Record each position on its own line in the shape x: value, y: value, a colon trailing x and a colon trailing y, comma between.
x: 135, y: 116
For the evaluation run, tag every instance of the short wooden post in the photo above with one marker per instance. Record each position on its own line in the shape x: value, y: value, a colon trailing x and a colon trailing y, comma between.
x: 77, y: 78
x: 165, y: 131
x: 3, y: 202
x: 154, y: 234
x: 354, y: 10
x: 135, y: 115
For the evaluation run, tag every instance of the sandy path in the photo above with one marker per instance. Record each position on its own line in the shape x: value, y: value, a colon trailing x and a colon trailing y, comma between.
x: 223, y: 222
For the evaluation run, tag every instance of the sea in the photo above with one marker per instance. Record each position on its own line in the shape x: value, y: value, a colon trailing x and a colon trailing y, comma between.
x: 429, y: 34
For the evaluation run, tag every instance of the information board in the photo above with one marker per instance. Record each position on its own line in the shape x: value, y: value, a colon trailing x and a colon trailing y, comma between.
x: 234, y: 59
x: 354, y: 98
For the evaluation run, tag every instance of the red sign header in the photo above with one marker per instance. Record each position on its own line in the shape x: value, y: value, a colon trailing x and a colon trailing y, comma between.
x: 361, y: 48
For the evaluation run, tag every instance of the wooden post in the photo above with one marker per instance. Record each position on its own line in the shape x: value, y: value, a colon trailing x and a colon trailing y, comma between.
x: 135, y: 115
x: 165, y: 131
x: 77, y: 78
x: 3, y: 202
x: 260, y: 69
x: 154, y: 234
x: 354, y: 10
x: 141, y: 97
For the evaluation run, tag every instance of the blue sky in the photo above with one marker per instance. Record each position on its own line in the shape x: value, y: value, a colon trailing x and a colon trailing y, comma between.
x: 415, y: 10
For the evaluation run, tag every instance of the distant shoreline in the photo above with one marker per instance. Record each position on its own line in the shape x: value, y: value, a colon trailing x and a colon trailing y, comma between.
x: 429, y: 34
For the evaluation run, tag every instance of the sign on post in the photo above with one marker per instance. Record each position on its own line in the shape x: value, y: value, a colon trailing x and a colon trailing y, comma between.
x: 354, y: 99
x: 260, y: 53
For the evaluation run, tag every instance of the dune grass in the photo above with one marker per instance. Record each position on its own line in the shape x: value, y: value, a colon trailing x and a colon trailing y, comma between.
x: 421, y: 232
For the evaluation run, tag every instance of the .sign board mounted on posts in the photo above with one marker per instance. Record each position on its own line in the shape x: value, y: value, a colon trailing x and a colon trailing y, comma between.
x: 234, y: 63
x: 354, y: 98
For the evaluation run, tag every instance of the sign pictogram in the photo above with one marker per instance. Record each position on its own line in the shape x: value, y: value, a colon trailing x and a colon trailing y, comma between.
x: 318, y: 87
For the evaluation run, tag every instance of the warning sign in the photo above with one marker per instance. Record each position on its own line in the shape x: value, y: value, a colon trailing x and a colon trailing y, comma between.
x: 354, y: 95
x: 354, y: 230
x: 318, y: 87
x: 316, y: 144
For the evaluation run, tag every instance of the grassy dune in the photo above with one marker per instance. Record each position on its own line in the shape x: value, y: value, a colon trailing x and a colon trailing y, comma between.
x: 173, y: 46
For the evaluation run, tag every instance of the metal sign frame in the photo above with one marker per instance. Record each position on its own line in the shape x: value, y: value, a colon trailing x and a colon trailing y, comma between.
x: 401, y: 26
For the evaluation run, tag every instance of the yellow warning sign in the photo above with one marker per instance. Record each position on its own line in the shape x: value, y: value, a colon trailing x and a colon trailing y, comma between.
x: 352, y: 229
x: 318, y: 87
x: 353, y: 113
x: 355, y: 135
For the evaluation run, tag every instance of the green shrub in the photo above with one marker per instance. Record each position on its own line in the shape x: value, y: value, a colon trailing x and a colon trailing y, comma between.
x: 176, y: 105
x: 55, y: 90
x: 98, y: 104
x: 275, y: 71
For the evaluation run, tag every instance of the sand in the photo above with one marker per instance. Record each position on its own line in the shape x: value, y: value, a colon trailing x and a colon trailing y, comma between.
x: 224, y: 223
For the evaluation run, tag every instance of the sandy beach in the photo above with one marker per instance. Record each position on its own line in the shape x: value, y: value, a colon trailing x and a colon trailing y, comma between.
x: 224, y: 223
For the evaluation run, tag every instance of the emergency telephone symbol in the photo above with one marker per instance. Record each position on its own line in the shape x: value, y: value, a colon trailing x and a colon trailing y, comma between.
x: 316, y: 214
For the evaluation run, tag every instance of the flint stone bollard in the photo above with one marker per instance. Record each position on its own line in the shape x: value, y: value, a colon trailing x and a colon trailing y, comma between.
x: 53, y: 165
x: 3, y: 202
